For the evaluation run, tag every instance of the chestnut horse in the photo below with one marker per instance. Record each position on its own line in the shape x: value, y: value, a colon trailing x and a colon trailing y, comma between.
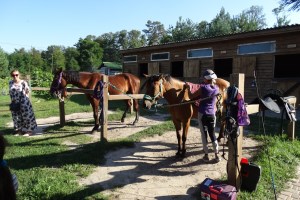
x: 117, y: 84
x: 175, y: 92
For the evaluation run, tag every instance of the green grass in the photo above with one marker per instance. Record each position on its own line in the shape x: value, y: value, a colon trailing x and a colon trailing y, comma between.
x: 48, y: 169
x: 278, y: 158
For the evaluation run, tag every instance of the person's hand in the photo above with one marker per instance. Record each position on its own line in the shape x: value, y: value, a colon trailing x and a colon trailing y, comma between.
x: 186, y: 86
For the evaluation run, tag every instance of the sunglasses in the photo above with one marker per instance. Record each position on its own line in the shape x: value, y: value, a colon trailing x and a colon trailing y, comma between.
x: 13, y: 75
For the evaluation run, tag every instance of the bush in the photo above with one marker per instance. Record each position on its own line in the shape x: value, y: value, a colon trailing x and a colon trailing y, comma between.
x: 4, y: 86
x: 40, y: 78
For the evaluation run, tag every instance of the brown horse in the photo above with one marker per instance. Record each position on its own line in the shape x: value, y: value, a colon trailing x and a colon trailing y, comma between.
x: 117, y: 84
x: 174, y: 91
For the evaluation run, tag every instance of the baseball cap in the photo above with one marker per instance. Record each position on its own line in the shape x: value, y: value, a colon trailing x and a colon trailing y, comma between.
x: 209, y: 74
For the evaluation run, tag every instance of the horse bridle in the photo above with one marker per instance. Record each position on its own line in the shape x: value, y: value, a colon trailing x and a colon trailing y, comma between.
x: 57, y: 89
x: 160, y: 92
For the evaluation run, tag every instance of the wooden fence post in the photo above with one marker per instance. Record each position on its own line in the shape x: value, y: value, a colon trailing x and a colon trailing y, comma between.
x: 291, y: 124
x: 235, y: 147
x: 62, y: 113
x: 105, y: 110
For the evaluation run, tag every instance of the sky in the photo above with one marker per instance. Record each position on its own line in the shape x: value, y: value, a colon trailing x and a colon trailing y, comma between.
x: 40, y: 23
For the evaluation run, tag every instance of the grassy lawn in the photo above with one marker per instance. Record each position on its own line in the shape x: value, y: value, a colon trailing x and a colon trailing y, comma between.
x: 48, y: 169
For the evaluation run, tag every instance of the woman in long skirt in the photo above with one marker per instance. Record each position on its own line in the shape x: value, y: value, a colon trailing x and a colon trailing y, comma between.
x: 23, y: 118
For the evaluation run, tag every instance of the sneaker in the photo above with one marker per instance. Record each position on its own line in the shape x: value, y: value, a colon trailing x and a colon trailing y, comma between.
x: 29, y: 133
x: 217, y: 159
x: 205, y: 158
x: 18, y: 132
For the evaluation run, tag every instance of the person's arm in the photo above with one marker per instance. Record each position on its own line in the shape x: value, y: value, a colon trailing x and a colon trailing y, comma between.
x: 26, y: 88
x: 193, y: 96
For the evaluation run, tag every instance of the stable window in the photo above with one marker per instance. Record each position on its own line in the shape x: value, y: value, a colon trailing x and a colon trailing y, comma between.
x: 287, y: 66
x: 200, y: 53
x: 255, y: 48
x: 128, y: 59
x: 160, y: 56
x: 223, y: 67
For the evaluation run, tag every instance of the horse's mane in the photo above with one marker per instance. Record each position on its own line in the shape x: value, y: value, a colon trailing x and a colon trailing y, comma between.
x: 71, y: 76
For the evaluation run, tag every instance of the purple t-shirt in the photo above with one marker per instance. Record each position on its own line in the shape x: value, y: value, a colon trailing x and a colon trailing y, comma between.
x: 208, y: 106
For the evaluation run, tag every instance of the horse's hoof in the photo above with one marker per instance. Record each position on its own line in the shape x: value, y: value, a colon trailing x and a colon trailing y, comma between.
x: 178, y: 153
x: 122, y: 120
x: 183, y: 153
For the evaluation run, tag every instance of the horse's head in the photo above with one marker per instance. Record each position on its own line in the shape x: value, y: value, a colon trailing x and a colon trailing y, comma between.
x: 58, y: 85
x: 154, y: 90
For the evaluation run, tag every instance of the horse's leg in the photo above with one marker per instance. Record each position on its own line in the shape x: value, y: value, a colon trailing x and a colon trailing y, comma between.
x: 136, y: 109
x: 185, y: 128
x: 222, y: 131
x: 95, y: 104
x: 177, y: 125
x: 126, y: 110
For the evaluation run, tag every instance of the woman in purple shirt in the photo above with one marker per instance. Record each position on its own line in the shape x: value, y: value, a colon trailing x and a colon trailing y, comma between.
x: 207, y: 113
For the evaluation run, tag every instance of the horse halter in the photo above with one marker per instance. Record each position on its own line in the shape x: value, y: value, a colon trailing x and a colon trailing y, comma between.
x: 149, y: 98
x: 58, y: 89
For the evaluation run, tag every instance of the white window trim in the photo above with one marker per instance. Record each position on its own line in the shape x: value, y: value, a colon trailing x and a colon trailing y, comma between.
x: 212, y: 53
x: 131, y: 61
x: 256, y: 52
x: 160, y: 53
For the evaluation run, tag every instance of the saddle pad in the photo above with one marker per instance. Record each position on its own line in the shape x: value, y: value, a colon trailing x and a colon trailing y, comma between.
x: 193, y: 88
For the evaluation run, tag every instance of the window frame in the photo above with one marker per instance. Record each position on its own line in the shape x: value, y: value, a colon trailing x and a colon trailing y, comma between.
x: 130, y: 61
x: 272, y: 43
x: 160, y: 53
x: 210, y: 56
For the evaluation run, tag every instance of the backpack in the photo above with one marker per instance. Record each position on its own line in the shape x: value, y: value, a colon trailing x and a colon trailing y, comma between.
x: 236, y: 107
x: 242, y: 115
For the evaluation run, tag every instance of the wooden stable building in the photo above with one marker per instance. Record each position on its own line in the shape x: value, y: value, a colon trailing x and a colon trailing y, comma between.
x: 272, y: 53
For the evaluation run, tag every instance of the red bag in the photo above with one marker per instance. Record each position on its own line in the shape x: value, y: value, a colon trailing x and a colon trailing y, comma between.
x: 214, y: 190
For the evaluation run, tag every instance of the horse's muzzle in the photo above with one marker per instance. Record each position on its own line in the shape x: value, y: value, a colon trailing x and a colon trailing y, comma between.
x: 147, y: 104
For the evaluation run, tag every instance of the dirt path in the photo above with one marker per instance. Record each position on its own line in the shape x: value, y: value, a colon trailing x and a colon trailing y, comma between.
x: 150, y: 170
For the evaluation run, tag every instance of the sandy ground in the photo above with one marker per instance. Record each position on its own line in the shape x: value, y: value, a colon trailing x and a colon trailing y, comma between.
x: 151, y: 170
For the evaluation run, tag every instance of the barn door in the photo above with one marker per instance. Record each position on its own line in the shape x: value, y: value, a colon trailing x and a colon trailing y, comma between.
x: 245, y: 65
x: 206, y: 64
x: 153, y: 68
x: 191, y: 68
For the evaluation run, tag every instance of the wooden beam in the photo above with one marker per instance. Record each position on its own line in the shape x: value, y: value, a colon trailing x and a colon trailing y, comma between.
x: 291, y: 124
x: 62, y: 114
x: 235, y: 143
x: 124, y: 96
x: 104, y: 121
x: 252, y: 108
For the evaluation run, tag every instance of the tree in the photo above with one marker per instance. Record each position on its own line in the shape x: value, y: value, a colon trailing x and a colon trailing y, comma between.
x: 37, y: 61
x: 90, y: 53
x: 21, y: 60
x: 108, y: 42
x: 294, y: 4
x: 249, y: 20
x: 184, y: 30
x: 54, y: 58
x: 136, y: 39
x: 4, y: 72
x: 71, y: 55
x: 202, y: 29
x: 155, y: 32
x: 221, y: 24
x: 123, y: 40
x: 281, y: 18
